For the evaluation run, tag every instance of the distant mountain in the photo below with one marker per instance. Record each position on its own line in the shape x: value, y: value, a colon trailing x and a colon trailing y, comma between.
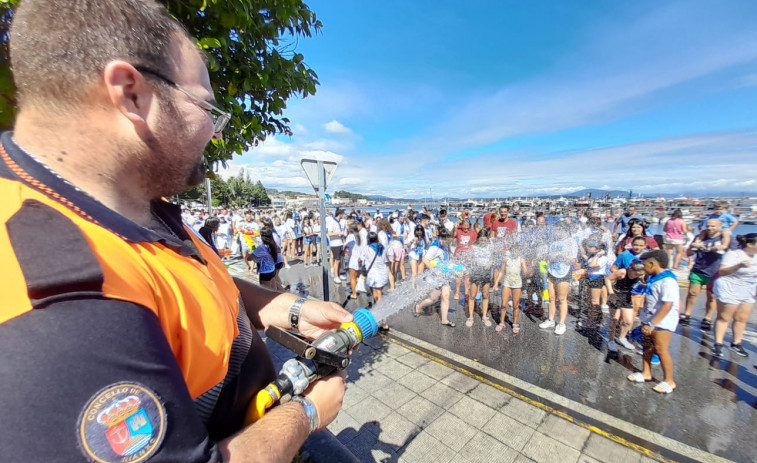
x: 596, y: 194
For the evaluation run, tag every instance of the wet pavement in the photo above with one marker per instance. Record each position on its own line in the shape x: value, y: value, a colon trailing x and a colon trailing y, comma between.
x: 714, y: 408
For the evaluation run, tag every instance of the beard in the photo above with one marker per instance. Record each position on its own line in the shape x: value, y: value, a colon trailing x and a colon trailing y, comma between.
x: 174, y: 161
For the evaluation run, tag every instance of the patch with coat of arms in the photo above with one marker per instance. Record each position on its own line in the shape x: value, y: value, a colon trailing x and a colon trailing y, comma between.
x: 123, y: 422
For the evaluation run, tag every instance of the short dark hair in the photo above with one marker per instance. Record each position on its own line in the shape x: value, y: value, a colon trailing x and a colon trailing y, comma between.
x: 749, y: 238
x: 639, y: 238
x: 659, y: 255
x: 59, y: 47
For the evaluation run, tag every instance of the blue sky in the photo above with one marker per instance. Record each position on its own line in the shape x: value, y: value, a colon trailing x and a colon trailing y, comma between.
x: 505, y: 98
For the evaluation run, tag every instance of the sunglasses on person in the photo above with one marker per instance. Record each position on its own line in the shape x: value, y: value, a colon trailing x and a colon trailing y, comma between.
x: 219, y: 117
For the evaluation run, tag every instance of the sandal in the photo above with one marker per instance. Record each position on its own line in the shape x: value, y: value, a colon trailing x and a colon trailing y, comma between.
x: 416, y: 312
x: 637, y: 377
x: 664, y: 388
x: 469, y: 322
x: 499, y: 327
x: 487, y: 321
x: 516, y: 328
x: 449, y: 324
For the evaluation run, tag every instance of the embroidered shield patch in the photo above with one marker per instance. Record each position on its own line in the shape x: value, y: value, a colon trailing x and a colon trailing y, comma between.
x: 124, y: 422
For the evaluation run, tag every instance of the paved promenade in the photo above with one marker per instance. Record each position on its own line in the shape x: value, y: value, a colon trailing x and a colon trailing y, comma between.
x: 430, y: 393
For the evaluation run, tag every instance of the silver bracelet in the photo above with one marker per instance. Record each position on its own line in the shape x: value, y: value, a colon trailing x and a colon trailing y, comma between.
x: 294, y: 312
x: 310, y: 411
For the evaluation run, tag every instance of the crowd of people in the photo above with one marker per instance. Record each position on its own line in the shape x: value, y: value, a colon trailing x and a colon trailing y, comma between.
x: 530, y: 265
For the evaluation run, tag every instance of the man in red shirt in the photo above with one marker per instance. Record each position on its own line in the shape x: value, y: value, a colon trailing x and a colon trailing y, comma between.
x: 504, y: 226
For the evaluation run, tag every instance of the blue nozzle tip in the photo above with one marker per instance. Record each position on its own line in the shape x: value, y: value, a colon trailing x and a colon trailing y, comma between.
x: 364, y: 319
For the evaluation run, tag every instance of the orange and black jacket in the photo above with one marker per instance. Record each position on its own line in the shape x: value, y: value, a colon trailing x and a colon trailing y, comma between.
x: 91, y: 301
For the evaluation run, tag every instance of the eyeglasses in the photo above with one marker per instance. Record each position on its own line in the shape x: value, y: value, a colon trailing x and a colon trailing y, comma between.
x: 219, y: 117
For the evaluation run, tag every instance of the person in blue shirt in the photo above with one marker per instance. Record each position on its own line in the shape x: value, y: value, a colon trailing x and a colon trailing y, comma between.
x: 720, y: 212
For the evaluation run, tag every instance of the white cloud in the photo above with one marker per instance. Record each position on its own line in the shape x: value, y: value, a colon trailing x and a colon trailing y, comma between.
x: 337, y: 128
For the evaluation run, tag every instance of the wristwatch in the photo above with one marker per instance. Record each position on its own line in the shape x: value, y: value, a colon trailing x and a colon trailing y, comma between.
x: 294, y: 312
x: 310, y: 411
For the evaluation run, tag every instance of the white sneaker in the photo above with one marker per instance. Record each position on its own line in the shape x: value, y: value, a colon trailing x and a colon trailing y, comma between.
x: 605, y: 308
x: 560, y: 329
x: 547, y: 324
x: 612, y: 347
x: 287, y: 266
x: 625, y: 343
x: 337, y: 280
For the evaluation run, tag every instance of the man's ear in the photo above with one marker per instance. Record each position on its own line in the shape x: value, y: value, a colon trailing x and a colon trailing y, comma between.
x: 128, y: 91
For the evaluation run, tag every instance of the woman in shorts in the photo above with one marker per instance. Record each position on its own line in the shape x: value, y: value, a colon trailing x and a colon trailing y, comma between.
x: 513, y: 269
x: 675, y: 235
x: 734, y: 291
x: 416, y: 246
x: 480, y: 274
x: 561, y: 258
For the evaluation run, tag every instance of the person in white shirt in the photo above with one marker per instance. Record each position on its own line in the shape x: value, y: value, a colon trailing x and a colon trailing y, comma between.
x: 734, y: 291
x: 336, y: 233
x: 659, y: 319
x: 561, y: 259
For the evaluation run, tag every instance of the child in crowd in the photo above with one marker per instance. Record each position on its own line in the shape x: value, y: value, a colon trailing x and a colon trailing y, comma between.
x: 513, y: 268
x: 480, y: 277
x: 622, y: 305
x: 659, y: 318
x: 720, y: 212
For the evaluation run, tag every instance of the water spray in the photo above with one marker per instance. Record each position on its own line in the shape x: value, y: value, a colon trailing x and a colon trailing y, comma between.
x: 314, y: 360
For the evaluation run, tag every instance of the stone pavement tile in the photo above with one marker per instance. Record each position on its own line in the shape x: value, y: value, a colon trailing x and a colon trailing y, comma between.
x: 417, y: 381
x: 435, y: 370
x: 366, y: 446
x: 395, y: 350
x: 372, y: 381
x: 344, y: 427
x: 564, y: 431
x: 425, y: 448
x: 375, y: 342
x: 420, y: 411
x: 509, y: 431
x: 544, y: 449
x: 394, y: 395
x: 490, y: 396
x: 355, y: 394
x: 442, y: 395
x: 369, y: 409
x: 523, y: 459
x: 392, y: 368
x: 483, y: 448
x: 460, y: 382
x: 396, y: 431
x: 472, y: 412
x: 413, y: 360
x: 587, y: 459
x: 604, y: 449
x: 451, y: 430
x: 524, y: 412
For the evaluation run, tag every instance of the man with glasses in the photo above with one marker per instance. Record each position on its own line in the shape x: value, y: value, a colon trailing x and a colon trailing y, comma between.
x: 123, y: 335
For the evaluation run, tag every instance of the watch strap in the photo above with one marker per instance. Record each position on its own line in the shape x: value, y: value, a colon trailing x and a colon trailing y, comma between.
x: 294, y: 312
x: 310, y: 411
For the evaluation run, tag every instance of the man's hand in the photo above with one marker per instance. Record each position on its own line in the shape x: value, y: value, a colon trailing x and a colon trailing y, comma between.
x: 316, y: 317
x: 327, y: 395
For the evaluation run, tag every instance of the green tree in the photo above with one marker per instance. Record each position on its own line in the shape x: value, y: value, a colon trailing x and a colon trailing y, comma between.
x: 260, y: 195
x: 253, y: 64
